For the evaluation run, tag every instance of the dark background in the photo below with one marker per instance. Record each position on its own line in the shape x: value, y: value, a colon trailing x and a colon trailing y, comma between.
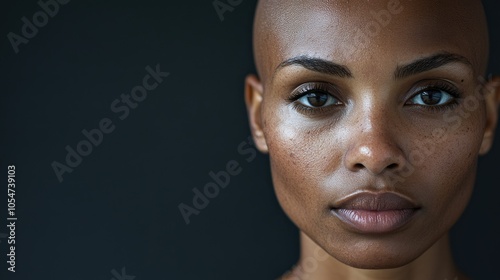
x: 119, y: 207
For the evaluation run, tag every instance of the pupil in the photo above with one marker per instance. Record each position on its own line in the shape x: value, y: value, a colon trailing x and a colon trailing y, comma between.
x: 317, y: 99
x: 431, y: 97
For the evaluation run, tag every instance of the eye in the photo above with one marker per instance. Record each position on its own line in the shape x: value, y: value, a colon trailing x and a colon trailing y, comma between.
x: 316, y: 99
x: 432, y: 97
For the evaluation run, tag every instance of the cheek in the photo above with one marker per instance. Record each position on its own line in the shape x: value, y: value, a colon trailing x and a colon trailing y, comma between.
x: 302, y: 156
x: 447, y: 174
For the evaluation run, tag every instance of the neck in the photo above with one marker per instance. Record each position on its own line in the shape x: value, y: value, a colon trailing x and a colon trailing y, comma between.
x: 435, y: 263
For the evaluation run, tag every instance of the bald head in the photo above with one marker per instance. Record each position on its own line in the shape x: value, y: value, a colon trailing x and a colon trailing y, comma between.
x: 348, y: 32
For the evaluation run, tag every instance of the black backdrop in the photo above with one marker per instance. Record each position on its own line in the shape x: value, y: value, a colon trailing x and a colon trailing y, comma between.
x: 116, y: 214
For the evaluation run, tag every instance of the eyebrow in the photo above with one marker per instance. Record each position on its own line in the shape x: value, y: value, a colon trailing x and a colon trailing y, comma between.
x: 418, y: 66
x: 318, y: 65
x: 428, y: 63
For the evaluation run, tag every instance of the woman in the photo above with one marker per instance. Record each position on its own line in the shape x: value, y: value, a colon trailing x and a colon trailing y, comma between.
x: 374, y: 114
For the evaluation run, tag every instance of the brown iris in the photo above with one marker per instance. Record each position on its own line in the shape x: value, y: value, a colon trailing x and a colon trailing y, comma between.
x: 317, y: 99
x: 431, y: 97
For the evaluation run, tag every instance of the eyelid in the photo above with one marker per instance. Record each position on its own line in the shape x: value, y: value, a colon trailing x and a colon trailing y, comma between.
x: 305, y: 88
x: 446, y: 86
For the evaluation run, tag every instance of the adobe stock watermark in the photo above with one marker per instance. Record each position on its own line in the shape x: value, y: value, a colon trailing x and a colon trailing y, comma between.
x: 453, y: 119
x: 121, y: 276
x: 29, y: 29
x: 380, y: 20
x: 218, y: 180
x: 223, y: 6
x: 121, y: 107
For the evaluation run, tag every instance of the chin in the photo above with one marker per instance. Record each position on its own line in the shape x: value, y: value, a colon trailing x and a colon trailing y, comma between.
x: 376, y: 255
x: 376, y: 262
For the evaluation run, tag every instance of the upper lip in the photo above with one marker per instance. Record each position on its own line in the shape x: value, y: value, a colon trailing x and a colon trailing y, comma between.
x: 375, y: 202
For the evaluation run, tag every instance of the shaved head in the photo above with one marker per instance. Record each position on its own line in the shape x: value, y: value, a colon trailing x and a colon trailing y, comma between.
x: 346, y: 31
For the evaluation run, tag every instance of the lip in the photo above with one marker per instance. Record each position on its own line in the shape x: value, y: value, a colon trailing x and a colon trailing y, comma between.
x: 367, y: 212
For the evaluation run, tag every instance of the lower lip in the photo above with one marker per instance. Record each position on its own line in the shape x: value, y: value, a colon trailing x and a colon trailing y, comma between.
x: 367, y: 221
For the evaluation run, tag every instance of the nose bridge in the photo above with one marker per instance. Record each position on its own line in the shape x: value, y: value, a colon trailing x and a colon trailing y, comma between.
x: 373, y: 139
x: 374, y: 115
x: 377, y: 120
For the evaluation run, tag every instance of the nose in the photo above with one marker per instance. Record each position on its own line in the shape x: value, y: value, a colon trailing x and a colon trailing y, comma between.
x: 373, y: 146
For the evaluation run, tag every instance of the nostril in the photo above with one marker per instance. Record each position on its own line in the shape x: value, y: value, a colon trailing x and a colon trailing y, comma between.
x: 392, y: 166
x: 359, y: 166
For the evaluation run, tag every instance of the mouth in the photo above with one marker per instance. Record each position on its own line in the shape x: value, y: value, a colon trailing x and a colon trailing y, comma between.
x: 375, y: 213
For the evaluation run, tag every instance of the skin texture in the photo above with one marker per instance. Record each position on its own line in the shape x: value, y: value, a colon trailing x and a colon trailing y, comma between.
x: 374, y: 134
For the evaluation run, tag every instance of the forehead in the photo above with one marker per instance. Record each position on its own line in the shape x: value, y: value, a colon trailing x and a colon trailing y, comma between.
x: 366, y: 35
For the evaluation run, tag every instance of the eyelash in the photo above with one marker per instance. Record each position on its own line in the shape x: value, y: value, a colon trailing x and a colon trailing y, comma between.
x: 323, y: 88
x: 308, y: 88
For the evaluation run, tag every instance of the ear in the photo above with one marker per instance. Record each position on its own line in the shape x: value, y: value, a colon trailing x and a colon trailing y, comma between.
x: 253, y: 100
x: 492, y: 99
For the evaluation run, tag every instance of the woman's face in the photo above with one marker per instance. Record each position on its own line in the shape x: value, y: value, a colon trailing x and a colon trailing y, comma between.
x: 373, y: 121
